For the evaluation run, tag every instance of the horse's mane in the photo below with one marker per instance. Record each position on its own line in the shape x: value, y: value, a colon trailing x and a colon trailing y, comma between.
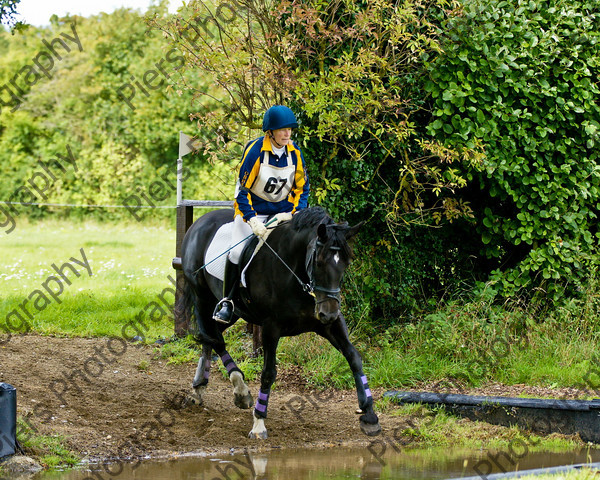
x: 311, y: 218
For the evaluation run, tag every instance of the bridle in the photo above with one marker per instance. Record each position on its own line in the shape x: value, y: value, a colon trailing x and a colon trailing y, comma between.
x: 311, y: 258
x: 311, y: 286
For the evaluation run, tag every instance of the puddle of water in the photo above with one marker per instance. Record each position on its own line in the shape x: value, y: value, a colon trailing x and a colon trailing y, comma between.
x: 330, y: 464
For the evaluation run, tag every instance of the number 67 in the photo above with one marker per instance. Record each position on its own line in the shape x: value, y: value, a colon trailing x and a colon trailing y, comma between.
x: 271, y: 185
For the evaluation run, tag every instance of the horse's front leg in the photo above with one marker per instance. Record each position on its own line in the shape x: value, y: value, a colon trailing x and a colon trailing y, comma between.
x: 267, y: 378
x: 337, y: 334
x: 242, y: 398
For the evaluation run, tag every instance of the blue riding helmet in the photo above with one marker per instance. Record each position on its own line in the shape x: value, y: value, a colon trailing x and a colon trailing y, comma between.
x: 279, y: 117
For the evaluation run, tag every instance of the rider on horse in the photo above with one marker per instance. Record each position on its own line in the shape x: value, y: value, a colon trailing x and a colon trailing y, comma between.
x: 272, y: 180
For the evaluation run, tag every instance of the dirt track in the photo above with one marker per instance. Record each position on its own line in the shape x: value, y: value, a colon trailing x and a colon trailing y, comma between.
x: 101, y: 396
x: 111, y: 398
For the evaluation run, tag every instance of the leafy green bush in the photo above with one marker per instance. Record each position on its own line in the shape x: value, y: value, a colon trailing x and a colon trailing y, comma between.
x: 521, y: 77
x: 397, y: 281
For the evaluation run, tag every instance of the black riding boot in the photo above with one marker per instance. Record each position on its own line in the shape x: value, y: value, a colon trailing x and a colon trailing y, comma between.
x: 224, y: 310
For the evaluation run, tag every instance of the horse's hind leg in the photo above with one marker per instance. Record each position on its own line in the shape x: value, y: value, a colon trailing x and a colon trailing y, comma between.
x: 201, y: 377
x: 211, y: 338
x: 202, y: 313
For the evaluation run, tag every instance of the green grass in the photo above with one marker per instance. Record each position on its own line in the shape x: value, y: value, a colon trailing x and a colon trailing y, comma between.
x: 469, y: 343
x: 130, y: 264
x: 435, y: 427
x: 50, y: 451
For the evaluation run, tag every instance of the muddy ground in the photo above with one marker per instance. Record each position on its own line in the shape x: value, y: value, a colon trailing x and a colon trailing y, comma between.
x: 109, y: 398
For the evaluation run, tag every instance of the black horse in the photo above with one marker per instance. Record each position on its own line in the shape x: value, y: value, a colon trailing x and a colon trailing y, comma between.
x: 292, y: 287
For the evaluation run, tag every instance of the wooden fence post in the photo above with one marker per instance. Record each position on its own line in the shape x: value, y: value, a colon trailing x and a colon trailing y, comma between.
x: 185, y: 218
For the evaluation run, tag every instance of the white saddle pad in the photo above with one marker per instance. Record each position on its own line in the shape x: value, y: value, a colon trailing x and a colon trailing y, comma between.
x: 215, y: 264
x: 215, y: 253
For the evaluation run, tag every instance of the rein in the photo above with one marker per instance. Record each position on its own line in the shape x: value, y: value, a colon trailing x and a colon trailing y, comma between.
x: 307, y: 287
x: 310, y: 287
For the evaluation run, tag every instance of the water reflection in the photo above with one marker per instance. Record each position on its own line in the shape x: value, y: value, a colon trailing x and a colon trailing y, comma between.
x: 316, y: 464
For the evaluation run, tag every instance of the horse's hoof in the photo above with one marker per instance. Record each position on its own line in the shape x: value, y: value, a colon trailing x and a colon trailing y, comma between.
x: 259, y: 431
x: 195, y: 396
x: 370, y: 429
x: 194, y: 399
x: 243, y: 401
x: 258, y: 435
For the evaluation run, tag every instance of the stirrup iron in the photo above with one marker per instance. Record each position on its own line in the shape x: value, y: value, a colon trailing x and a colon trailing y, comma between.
x: 220, y: 317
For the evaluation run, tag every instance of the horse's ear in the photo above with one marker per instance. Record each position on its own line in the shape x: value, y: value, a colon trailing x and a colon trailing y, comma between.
x: 322, y: 232
x: 352, y: 231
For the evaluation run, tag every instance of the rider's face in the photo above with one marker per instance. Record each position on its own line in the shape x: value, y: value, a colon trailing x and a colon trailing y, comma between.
x: 282, y: 136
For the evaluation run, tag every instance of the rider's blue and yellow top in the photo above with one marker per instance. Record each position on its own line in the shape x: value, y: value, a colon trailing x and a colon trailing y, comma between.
x: 269, y: 184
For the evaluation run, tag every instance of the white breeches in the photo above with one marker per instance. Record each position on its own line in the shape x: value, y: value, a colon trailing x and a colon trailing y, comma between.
x: 241, y: 230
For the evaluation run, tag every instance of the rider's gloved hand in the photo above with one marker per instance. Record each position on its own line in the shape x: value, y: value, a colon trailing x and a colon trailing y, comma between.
x: 258, y: 228
x: 284, y: 217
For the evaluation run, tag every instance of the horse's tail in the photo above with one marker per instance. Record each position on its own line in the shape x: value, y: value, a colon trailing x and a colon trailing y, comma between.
x: 183, y: 309
x: 183, y: 306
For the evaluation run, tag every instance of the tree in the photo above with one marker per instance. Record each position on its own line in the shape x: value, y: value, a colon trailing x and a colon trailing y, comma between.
x: 353, y: 72
x: 110, y: 104
x: 8, y: 10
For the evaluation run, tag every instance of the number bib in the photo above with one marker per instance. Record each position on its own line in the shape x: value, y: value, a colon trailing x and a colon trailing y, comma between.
x: 274, y: 184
